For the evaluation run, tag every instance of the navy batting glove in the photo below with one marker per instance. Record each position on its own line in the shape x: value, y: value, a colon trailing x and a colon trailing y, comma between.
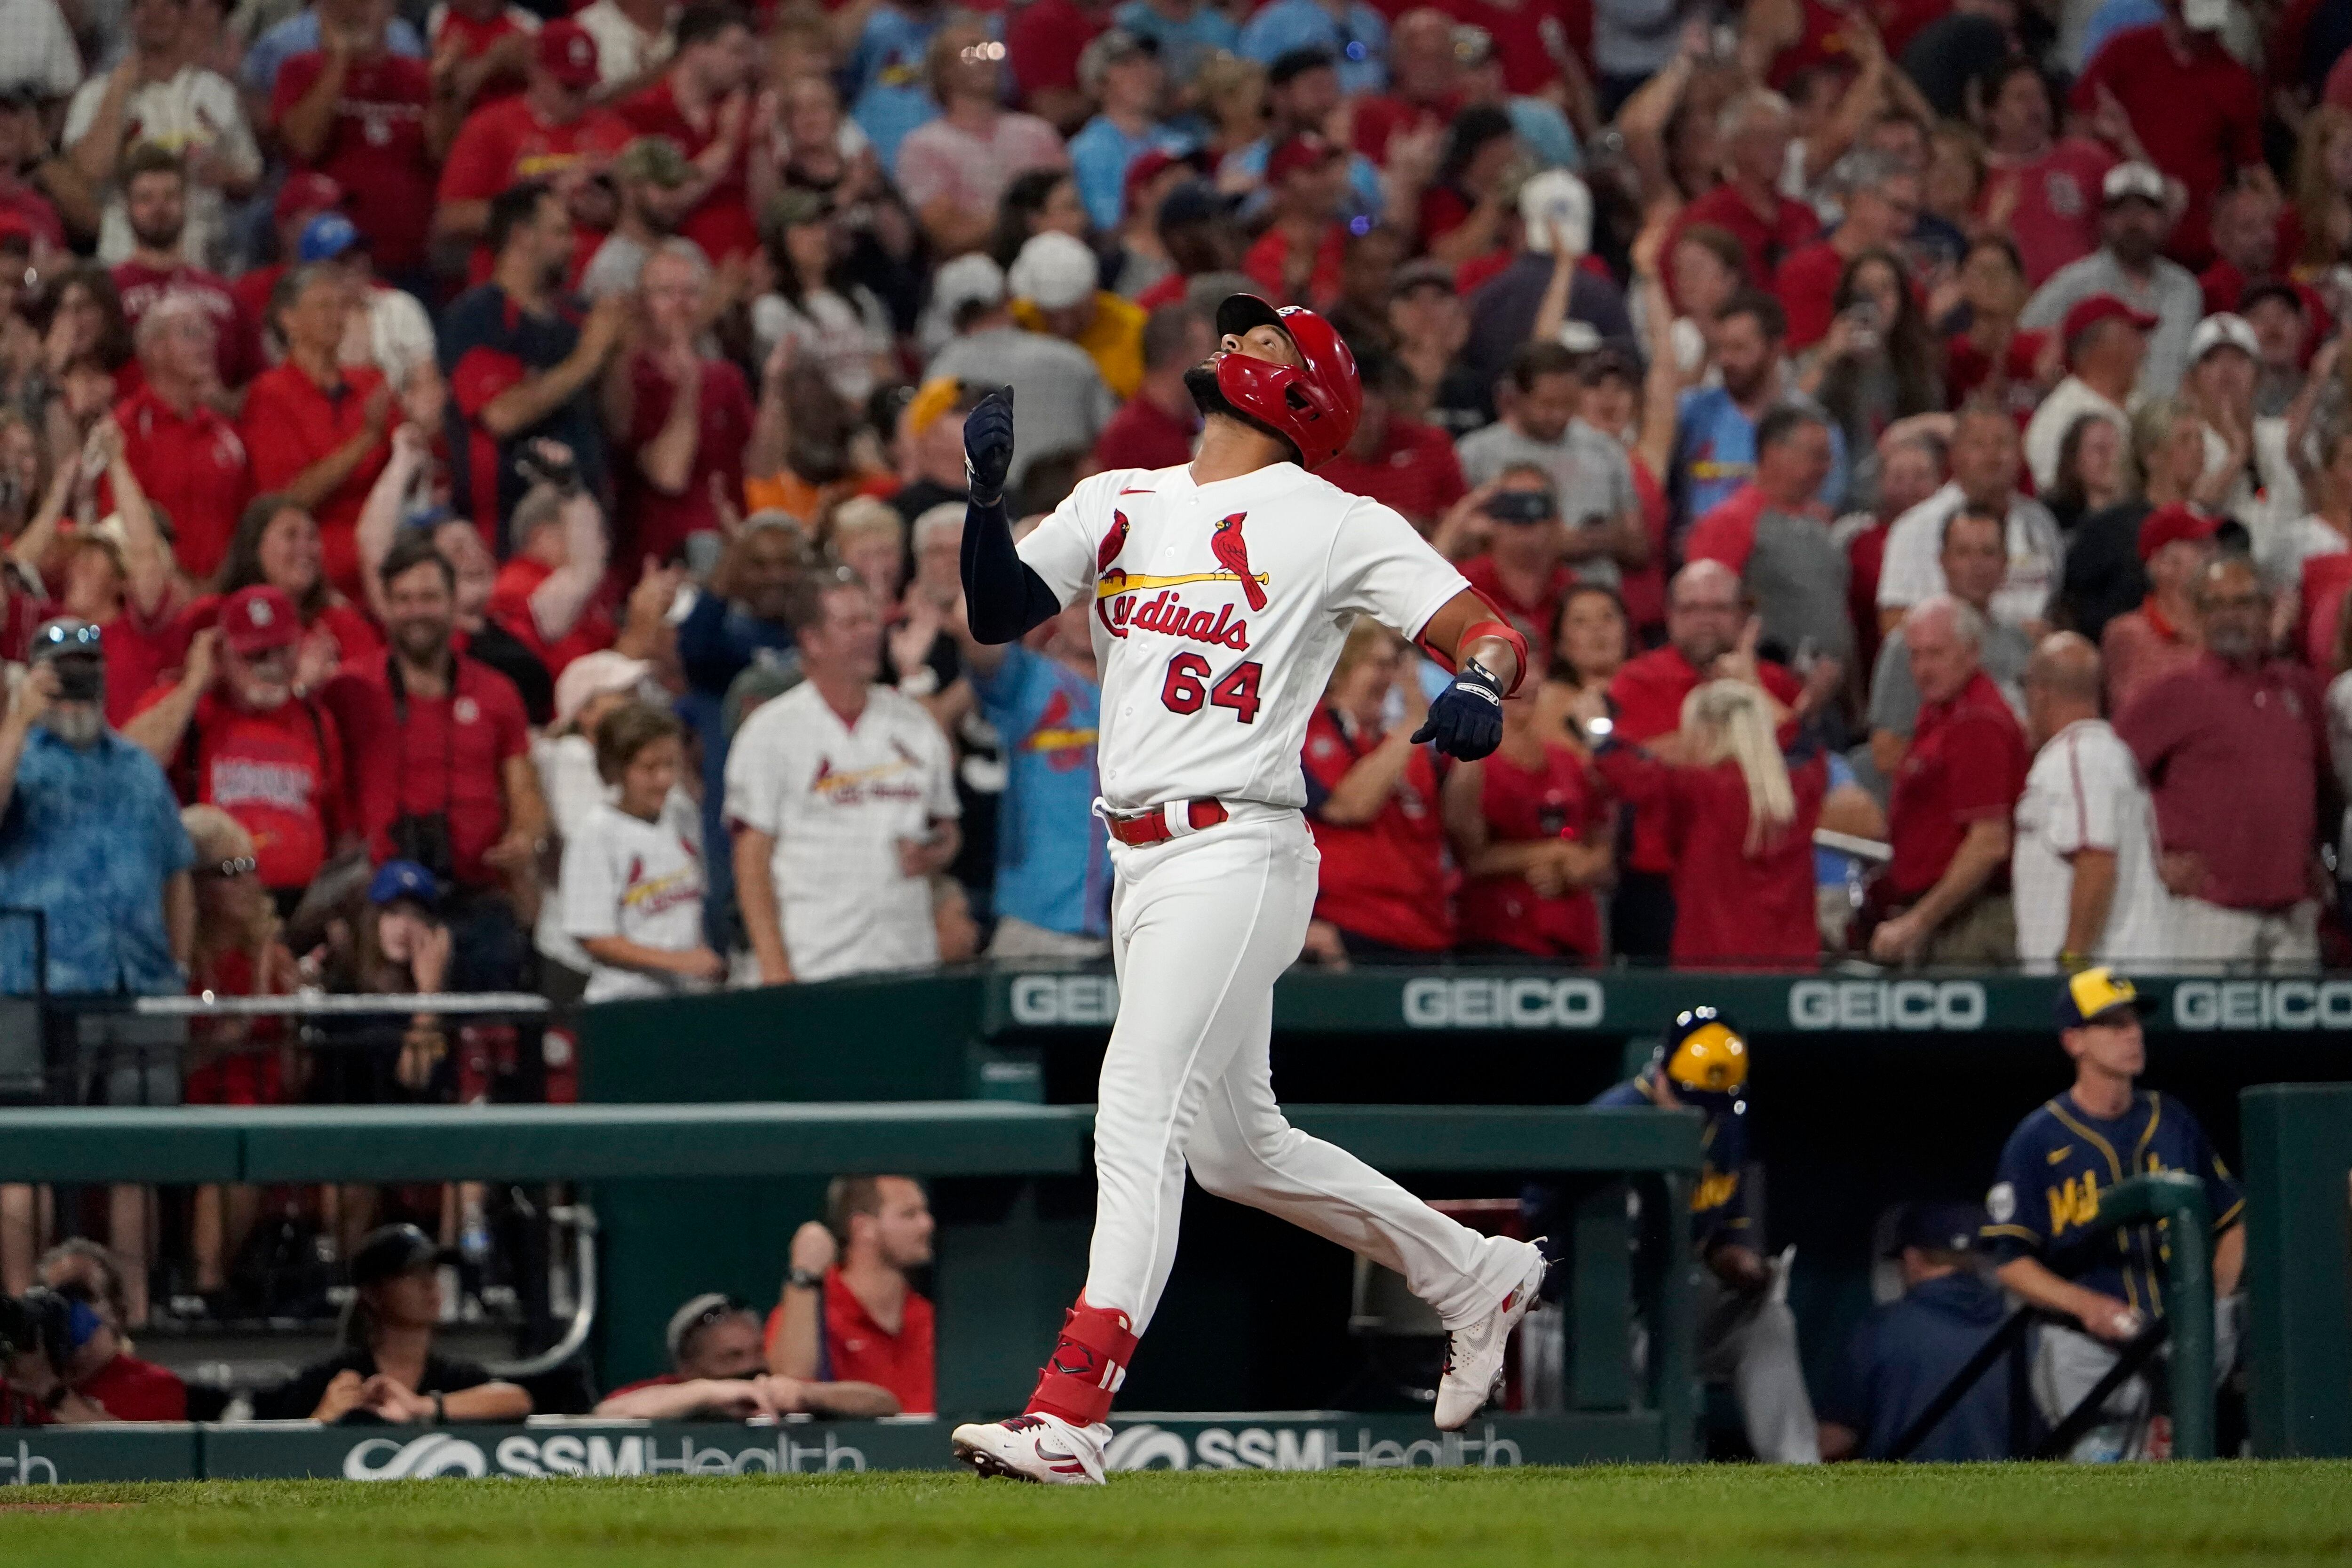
x: 988, y: 446
x: 1466, y: 720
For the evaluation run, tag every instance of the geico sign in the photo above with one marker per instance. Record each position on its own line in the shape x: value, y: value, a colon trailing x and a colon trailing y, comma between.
x: 2263, y: 1004
x: 571, y: 1454
x: 1149, y: 1448
x: 1886, y: 1005
x: 1525, y: 1002
x: 1045, y: 1001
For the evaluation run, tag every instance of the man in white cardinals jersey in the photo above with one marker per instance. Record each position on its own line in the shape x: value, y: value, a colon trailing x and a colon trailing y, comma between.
x: 1222, y: 591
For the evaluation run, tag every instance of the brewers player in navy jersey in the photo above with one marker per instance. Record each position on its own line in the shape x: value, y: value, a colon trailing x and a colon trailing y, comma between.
x: 1747, y: 1333
x: 2042, y: 1226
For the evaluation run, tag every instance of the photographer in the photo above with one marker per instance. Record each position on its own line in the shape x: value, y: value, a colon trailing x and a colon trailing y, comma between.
x: 61, y: 1351
x: 386, y: 1370
x: 1510, y: 532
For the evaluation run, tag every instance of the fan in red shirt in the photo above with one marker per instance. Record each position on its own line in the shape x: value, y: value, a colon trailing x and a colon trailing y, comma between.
x: 1297, y: 259
x: 689, y: 416
x: 1043, y: 41
x: 549, y: 132
x: 1947, y: 819
x: 155, y: 197
x: 1425, y: 85
x: 362, y: 115
x: 1385, y: 892
x: 1705, y: 614
x: 1537, y: 40
x: 858, y: 1319
x: 481, y: 50
x: 2042, y: 192
x: 1749, y: 204
x: 79, y: 1373
x: 1882, y: 206
x: 277, y: 544
x: 2196, y: 110
x: 704, y: 104
x: 1157, y: 426
x: 116, y: 574
x: 189, y: 460
x: 1522, y: 572
x: 247, y: 743
x: 1532, y: 836
x: 550, y: 594
x: 317, y: 431
x: 1394, y: 458
x: 1994, y: 355
x: 1739, y: 820
x: 232, y: 1061
x: 302, y: 198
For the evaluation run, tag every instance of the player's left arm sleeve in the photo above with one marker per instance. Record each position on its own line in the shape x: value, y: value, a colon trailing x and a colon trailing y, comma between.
x: 1379, y: 566
x: 2223, y: 1194
x: 2013, y: 1206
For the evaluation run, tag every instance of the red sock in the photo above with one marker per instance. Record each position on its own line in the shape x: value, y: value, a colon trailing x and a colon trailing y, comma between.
x: 1088, y: 1364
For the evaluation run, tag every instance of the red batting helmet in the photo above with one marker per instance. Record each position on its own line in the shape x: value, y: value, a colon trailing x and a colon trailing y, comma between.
x: 1313, y: 406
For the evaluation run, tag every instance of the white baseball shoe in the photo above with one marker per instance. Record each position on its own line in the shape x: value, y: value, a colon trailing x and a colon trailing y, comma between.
x: 1474, y: 1355
x: 1035, y: 1448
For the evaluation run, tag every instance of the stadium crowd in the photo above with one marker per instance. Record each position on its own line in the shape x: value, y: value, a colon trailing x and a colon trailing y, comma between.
x: 482, y: 487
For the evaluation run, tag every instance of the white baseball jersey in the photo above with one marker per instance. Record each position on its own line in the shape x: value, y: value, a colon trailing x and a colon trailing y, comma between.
x: 625, y: 877
x: 1220, y: 610
x: 2085, y: 792
x: 838, y: 800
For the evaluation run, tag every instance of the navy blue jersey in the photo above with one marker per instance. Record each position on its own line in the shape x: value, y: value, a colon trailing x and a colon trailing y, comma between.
x: 1901, y: 1358
x: 2044, y: 1201
x: 1720, y: 1207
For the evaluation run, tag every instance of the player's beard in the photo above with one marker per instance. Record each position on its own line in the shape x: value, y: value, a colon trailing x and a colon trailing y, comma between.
x: 1209, y: 398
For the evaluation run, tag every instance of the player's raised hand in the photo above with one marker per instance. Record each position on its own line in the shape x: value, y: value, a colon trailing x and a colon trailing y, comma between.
x: 1466, y: 720
x: 988, y: 446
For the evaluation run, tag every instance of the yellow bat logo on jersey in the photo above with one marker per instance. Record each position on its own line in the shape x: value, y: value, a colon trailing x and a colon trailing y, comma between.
x: 1120, y: 608
x: 1120, y: 583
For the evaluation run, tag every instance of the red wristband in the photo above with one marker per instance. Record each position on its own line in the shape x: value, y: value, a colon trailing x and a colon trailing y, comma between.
x: 1508, y: 634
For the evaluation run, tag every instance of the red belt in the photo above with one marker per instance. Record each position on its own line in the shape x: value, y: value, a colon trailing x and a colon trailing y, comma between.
x: 1152, y: 825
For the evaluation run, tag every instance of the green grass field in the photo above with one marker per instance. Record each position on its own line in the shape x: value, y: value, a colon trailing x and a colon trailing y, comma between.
x: 2279, y: 1514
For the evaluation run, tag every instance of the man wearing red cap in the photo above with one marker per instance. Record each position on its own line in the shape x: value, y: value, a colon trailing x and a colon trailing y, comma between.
x: 1222, y: 589
x: 2105, y: 342
x: 233, y: 733
x: 2142, y: 646
x: 550, y: 133
x: 2136, y: 208
x: 366, y: 117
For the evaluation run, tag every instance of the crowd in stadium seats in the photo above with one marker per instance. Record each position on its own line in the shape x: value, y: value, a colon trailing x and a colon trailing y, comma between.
x: 504, y: 465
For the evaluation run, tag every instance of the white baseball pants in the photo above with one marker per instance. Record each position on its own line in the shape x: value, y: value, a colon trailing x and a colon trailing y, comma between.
x: 1200, y: 927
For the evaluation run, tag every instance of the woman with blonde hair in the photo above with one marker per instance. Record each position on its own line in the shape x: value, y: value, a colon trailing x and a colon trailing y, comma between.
x: 1740, y: 822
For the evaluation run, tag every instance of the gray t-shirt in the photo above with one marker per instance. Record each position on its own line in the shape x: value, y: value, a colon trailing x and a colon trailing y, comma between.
x: 1589, y: 471
x: 1059, y: 402
x: 1895, y: 699
x: 2172, y: 297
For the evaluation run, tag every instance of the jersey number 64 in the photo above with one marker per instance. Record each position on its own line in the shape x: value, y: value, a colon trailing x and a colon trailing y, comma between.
x: 1184, y: 691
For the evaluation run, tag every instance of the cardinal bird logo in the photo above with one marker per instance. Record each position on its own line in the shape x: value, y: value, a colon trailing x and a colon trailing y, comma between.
x: 1114, y: 540
x: 1226, y: 544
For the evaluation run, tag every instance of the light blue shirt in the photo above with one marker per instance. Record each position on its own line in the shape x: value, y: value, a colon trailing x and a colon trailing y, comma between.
x: 1053, y: 856
x: 90, y: 838
x: 1360, y: 45
x: 1183, y: 44
x: 1101, y: 155
x: 1714, y: 454
x: 299, y: 35
x: 883, y: 83
x: 2116, y: 16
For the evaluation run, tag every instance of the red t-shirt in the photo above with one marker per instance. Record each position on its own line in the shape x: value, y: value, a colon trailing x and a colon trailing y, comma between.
x: 1830, y: 37
x: 1764, y: 241
x: 1866, y: 558
x: 471, y: 38
x: 1806, y: 285
x: 1385, y: 880
x: 139, y: 649
x: 278, y: 772
x: 194, y: 467
x: 355, y: 635
x: 1731, y: 909
x: 503, y: 144
x: 449, y: 755
x: 1648, y: 693
x: 1967, y: 367
x: 1529, y: 36
x: 376, y: 149
x: 1728, y: 532
x: 2198, y: 117
x: 1968, y: 761
x: 1142, y: 434
x: 129, y: 1390
x: 1643, y: 588
x: 1413, y: 470
x: 27, y: 209
x: 1266, y: 262
x: 510, y: 607
x: 236, y: 346
x: 291, y: 422
x: 721, y: 223
x: 1555, y: 800
x: 1533, y: 620
x: 237, y: 1060
x: 859, y: 1350
x: 1380, y: 118
x: 1043, y: 41
x: 252, y: 289
x: 658, y: 525
x: 2055, y: 217
x: 1169, y: 291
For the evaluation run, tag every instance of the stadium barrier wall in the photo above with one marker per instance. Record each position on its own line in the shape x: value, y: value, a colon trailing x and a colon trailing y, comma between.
x: 2298, y: 1139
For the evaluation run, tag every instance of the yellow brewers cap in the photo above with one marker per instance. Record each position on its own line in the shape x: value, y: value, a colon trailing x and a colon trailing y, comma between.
x: 1706, y: 1053
x: 2093, y: 992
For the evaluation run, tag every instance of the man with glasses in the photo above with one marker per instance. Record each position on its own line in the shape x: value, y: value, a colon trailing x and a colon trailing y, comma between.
x: 718, y: 1371
x: 236, y: 733
x: 91, y: 838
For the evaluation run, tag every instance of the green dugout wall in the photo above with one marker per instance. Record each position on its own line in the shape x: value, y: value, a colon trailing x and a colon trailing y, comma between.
x: 1868, y: 1091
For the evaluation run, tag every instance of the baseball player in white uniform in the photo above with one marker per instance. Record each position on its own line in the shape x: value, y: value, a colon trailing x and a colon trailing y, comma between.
x: 1222, y: 591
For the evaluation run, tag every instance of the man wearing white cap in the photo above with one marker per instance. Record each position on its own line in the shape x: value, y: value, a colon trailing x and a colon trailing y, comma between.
x: 2138, y: 206
x: 1060, y: 401
x: 1054, y: 292
x: 2245, y: 452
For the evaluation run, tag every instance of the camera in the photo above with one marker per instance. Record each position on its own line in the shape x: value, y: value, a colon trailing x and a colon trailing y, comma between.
x: 81, y: 680
x: 40, y: 1323
x: 1520, y: 506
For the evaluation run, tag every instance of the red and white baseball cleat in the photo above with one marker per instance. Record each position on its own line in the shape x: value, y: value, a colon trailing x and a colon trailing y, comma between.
x: 1473, y: 1356
x: 1035, y: 1448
